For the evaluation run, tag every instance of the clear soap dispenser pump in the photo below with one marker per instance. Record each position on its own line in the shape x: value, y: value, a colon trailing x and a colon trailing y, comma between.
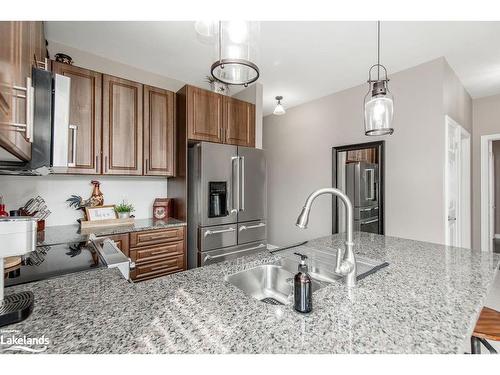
x: 302, y: 287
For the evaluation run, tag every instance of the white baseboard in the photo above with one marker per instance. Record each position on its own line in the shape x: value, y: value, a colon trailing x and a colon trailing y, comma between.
x: 272, y: 247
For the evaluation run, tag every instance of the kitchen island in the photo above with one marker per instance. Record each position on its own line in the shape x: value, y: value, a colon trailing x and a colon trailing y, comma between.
x: 426, y: 301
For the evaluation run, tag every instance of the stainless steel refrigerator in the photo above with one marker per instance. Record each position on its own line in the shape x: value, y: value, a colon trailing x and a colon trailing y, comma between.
x: 227, y: 202
x: 363, y: 190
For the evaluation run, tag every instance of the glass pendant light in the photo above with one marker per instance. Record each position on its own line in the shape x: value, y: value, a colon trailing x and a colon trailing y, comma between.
x: 379, y: 102
x: 237, y: 52
x: 279, y: 110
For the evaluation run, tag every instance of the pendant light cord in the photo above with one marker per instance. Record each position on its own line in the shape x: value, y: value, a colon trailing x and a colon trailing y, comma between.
x: 378, y: 50
x: 220, y: 41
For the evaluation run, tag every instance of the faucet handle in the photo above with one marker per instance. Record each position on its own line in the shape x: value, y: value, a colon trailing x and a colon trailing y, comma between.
x: 302, y: 256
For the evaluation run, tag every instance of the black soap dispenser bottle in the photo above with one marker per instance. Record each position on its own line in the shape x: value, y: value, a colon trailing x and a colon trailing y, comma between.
x: 302, y: 287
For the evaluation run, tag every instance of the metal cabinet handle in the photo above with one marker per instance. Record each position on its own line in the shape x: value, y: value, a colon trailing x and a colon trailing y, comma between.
x: 210, y: 232
x: 27, y: 127
x: 73, y: 129
x: 208, y: 257
x: 244, y: 227
x: 106, y: 164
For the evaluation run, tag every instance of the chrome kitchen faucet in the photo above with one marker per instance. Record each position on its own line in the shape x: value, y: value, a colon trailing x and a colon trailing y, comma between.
x: 346, y: 262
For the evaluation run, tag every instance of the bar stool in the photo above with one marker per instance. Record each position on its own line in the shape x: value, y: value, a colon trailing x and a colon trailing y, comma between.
x: 487, y: 327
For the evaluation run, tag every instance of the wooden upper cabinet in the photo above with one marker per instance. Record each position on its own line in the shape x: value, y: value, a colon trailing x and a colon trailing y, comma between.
x: 158, y: 132
x: 84, y: 146
x: 204, y: 115
x: 239, y: 122
x: 17, y: 41
x: 122, y: 126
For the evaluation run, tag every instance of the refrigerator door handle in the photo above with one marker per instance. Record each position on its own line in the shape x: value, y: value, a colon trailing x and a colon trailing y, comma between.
x: 370, y: 182
x: 210, y: 232
x: 242, y: 184
x: 210, y: 257
x: 244, y: 227
x: 235, y: 203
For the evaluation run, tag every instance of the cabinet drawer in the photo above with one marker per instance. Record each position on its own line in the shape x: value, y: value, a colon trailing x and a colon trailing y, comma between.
x: 163, y: 267
x: 156, y: 253
x: 153, y: 237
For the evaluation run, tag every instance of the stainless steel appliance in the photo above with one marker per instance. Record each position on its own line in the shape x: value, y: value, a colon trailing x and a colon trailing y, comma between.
x: 227, y: 202
x: 363, y: 191
x: 49, y: 119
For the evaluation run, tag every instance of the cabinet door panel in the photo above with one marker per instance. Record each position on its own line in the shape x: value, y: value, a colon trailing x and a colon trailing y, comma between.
x: 204, y: 115
x: 122, y: 126
x: 15, y: 41
x: 239, y: 122
x: 158, y: 132
x: 85, y: 114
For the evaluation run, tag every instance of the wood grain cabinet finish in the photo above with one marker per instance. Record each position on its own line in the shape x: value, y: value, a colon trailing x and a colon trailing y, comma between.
x: 204, y: 115
x: 157, y: 236
x: 122, y: 126
x: 239, y: 122
x: 85, y: 114
x: 19, y: 43
x: 158, y: 132
x: 157, y: 252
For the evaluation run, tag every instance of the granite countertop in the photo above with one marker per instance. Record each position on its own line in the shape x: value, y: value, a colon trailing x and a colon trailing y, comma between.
x: 63, y: 234
x: 426, y: 301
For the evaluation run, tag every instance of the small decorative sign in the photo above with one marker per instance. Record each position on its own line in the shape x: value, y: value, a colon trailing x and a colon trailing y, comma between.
x: 101, y: 213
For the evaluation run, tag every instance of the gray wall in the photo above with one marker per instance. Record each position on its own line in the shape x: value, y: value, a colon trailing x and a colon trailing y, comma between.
x: 299, y: 148
x: 486, y: 119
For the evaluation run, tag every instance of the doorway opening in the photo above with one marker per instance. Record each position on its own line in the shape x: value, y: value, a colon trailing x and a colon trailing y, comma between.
x: 490, y: 192
x: 358, y: 170
x: 457, y: 185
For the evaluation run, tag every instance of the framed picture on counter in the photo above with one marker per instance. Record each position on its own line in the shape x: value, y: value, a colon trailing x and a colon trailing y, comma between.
x: 101, y: 213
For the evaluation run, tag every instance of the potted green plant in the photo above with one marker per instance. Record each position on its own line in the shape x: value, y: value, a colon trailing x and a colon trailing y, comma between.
x: 124, y: 209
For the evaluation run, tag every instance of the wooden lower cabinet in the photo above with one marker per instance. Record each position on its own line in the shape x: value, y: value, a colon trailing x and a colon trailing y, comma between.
x: 157, y: 252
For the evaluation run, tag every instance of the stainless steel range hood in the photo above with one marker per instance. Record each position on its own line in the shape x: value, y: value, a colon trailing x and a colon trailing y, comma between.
x: 49, y: 149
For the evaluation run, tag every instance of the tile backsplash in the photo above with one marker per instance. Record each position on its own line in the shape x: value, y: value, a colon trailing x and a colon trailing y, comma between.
x: 140, y: 191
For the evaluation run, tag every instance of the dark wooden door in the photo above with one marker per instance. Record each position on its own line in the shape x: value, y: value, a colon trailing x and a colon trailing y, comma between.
x: 158, y: 132
x: 239, y: 122
x: 204, y: 115
x: 122, y: 126
x: 84, y: 118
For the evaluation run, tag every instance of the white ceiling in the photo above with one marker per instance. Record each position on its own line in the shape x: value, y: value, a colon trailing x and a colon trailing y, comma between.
x: 299, y: 60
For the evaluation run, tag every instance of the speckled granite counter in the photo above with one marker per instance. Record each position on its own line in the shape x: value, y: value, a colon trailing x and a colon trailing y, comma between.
x: 425, y: 301
x: 62, y: 234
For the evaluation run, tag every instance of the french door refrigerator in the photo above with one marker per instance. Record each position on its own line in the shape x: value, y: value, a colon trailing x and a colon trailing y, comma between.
x: 226, y: 202
x: 362, y: 188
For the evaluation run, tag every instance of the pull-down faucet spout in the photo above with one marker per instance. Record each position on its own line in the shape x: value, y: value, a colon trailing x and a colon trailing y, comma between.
x: 346, y: 261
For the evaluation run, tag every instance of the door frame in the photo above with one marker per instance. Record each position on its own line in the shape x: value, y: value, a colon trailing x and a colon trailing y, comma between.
x: 465, y: 201
x: 486, y: 179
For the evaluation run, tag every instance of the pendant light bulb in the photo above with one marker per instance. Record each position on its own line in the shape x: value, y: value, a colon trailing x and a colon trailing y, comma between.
x: 379, y: 102
x: 279, y: 110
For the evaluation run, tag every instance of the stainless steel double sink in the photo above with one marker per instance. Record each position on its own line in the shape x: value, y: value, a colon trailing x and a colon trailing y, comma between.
x: 273, y: 283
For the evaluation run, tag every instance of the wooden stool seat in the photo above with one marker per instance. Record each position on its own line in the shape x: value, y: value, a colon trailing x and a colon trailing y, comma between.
x: 488, y: 325
x: 487, y: 328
